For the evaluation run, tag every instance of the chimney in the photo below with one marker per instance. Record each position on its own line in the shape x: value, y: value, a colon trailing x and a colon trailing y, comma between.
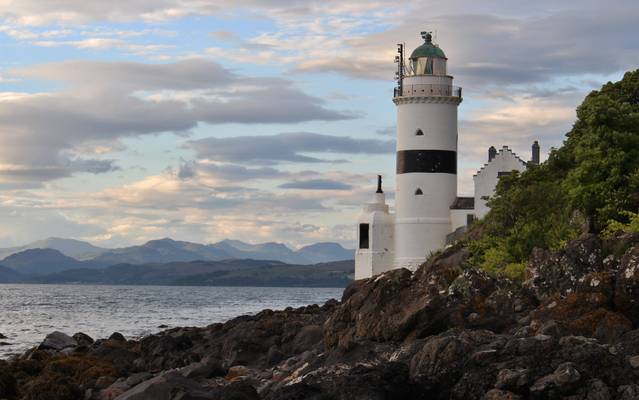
x: 535, y: 153
x: 492, y: 152
x: 379, y: 184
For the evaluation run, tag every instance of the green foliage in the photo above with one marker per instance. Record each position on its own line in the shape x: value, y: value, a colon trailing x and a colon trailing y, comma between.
x: 632, y: 225
x: 515, y: 271
x: 590, y: 183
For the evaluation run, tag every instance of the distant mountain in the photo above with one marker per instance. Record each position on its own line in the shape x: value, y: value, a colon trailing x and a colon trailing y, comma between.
x: 212, y: 273
x: 326, y: 252
x: 69, y: 247
x: 263, y: 251
x: 162, y: 251
x: 44, y: 262
x: 7, y: 275
x: 168, y: 250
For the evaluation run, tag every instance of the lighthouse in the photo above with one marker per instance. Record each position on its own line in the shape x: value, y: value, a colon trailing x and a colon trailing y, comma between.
x: 426, y: 168
x: 429, y: 215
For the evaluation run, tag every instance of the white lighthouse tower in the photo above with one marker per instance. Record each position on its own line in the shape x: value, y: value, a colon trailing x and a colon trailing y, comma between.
x: 426, y: 179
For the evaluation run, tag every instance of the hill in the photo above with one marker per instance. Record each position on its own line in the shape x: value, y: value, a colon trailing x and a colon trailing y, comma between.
x: 211, y: 273
x: 162, y: 251
x: 7, y: 275
x: 43, y: 262
x: 69, y: 247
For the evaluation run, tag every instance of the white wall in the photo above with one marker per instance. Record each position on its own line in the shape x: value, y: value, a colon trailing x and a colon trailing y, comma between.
x: 379, y: 256
x: 458, y: 218
x: 486, y: 179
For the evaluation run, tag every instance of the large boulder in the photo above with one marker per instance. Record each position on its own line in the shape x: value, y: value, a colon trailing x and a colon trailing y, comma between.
x: 173, y: 385
x: 57, y: 341
x: 626, y: 297
x: 559, y: 272
x: 443, y: 293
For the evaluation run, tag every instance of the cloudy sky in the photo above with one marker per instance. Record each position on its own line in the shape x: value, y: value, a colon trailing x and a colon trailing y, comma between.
x: 128, y: 120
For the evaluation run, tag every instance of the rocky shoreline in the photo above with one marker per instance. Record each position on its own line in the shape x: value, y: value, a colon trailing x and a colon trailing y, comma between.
x: 447, y: 331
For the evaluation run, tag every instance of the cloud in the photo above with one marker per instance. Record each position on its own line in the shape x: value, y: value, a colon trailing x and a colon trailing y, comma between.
x: 387, y: 131
x: 316, y: 184
x: 284, y: 147
x: 488, y: 44
x: 44, y: 132
x: 39, y: 12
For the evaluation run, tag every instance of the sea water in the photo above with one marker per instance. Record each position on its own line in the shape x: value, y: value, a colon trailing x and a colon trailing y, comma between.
x: 29, y: 312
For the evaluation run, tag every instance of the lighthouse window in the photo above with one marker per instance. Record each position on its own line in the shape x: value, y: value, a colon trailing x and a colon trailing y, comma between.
x: 419, y: 132
x: 418, y: 192
x: 363, y: 236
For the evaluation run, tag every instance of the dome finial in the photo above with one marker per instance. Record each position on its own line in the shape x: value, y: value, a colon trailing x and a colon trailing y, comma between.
x: 427, y: 36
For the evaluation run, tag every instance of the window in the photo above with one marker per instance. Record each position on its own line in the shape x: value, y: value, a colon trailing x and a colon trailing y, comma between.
x: 419, y: 132
x: 363, y: 236
x: 418, y: 192
x: 503, y: 173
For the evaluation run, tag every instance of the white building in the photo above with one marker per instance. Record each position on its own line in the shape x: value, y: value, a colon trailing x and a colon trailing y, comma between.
x: 428, y: 212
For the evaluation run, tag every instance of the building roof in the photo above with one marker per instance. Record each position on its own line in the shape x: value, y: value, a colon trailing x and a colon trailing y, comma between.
x: 428, y: 49
x: 463, y: 203
x: 504, y: 149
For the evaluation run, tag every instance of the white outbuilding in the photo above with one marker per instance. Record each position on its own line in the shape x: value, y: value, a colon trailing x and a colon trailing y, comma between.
x: 428, y: 212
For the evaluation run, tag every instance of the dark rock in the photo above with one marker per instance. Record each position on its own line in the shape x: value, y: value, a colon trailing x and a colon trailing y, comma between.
x: 559, y: 272
x: 512, y: 379
x: 3, y: 336
x: 8, y: 383
x: 628, y: 392
x: 57, y: 341
x: 627, y: 285
x: 496, y: 394
x: 138, y: 378
x: 207, y: 368
x: 168, y: 386
x: 83, y: 339
x: 117, y: 336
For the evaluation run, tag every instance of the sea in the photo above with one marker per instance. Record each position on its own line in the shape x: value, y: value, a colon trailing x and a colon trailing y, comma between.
x: 29, y: 312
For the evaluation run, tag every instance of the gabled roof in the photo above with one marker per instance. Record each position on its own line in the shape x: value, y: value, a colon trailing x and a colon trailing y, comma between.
x: 501, y: 151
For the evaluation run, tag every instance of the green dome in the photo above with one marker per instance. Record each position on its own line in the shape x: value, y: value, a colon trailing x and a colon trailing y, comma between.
x: 428, y: 49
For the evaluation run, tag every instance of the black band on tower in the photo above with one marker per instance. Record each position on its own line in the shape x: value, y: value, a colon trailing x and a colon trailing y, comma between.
x: 430, y: 161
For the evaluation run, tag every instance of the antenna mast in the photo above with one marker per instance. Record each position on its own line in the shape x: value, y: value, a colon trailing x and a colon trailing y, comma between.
x: 399, y: 75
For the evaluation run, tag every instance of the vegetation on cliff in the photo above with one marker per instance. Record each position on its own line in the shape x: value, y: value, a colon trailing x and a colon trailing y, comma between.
x: 590, y: 183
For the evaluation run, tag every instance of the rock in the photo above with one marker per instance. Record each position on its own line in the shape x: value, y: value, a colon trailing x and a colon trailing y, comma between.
x: 564, y: 377
x: 559, y: 272
x: 117, y: 336
x: 628, y: 392
x: 168, y: 386
x: 597, y: 390
x: 163, y: 326
x: 511, y: 378
x: 634, y: 361
x: 3, y: 336
x: 104, y: 382
x: 206, y: 368
x: 57, y: 341
x: 138, y: 378
x: 236, y: 372
x: 398, y: 305
x: 496, y: 394
x: 8, y: 383
x: 83, y: 339
x: 626, y: 297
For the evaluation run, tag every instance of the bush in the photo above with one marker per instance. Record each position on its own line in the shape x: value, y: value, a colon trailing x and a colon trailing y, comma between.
x: 591, y: 183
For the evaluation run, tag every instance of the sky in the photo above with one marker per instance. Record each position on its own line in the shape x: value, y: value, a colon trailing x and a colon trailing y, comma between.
x: 124, y: 121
